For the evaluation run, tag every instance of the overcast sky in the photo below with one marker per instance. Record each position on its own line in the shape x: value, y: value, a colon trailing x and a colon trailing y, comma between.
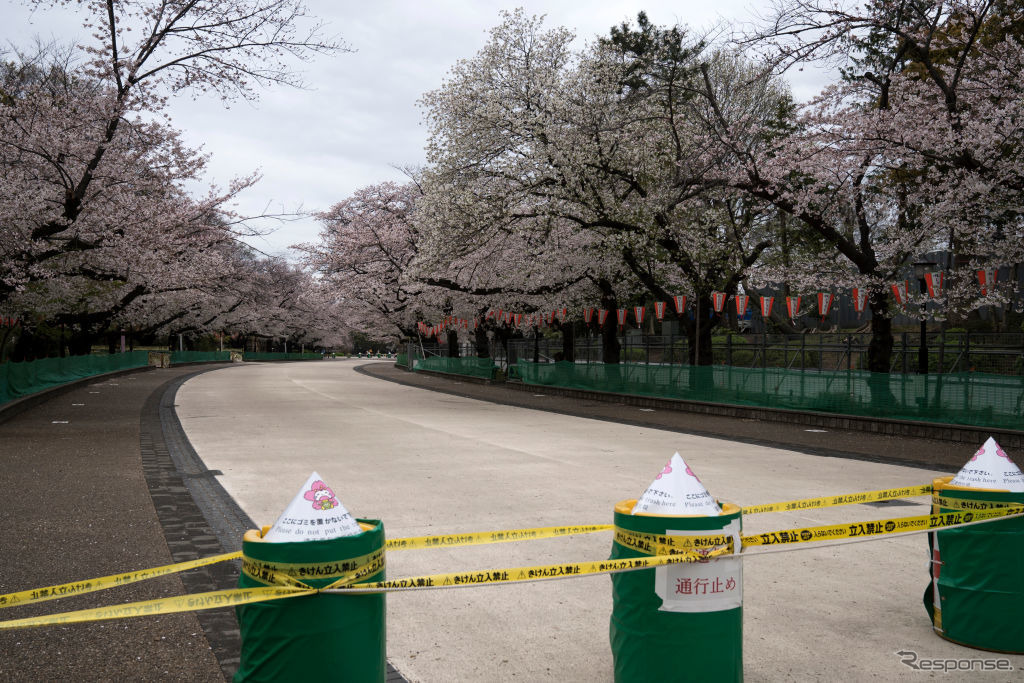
x: 359, y: 118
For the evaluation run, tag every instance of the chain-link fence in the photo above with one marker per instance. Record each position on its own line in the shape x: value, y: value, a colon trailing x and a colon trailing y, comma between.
x: 946, y: 352
x: 971, y: 398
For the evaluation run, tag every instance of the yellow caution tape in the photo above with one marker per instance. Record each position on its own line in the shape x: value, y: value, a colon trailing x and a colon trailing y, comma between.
x: 232, y: 597
x: 535, y: 573
x: 485, y: 537
x: 878, y: 527
x: 966, y: 504
x: 844, y: 499
x: 65, y: 590
x: 661, y: 544
x: 264, y: 570
x: 181, y: 603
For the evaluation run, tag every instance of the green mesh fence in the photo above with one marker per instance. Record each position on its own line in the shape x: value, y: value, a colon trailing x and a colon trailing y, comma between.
x: 250, y: 356
x: 402, y: 359
x: 470, y: 367
x: 962, y: 398
x: 22, y: 379
x: 200, y: 356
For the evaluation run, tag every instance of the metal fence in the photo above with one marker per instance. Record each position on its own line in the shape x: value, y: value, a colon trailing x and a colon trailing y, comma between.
x: 947, y: 352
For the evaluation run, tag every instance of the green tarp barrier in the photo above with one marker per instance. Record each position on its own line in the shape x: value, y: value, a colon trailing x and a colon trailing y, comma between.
x: 327, y: 636
x: 649, y: 644
x: 979, y: 578
x: 469, y: 367
x: 21, y: 379
x: 253, y: 356
x: 200, y: 356
x: 962, y: 398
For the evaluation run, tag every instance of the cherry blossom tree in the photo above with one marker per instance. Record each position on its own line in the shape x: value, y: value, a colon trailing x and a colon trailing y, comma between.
x: 601, y: 143
x: 916, y: 149
x: 94, y: 180
x: 366, y: 246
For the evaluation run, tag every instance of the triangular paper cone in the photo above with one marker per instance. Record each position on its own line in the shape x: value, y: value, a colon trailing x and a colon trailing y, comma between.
x: 677, y: 491
x: 315, y: 514
x: 990, y: 468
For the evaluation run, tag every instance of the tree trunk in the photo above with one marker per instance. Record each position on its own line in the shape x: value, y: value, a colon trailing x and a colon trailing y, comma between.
x: 610, y: 347
x: 453, y: 344
x: 880, y: 353
x: 880, y: 347
x: 568, y: 341
x: 483, y: 349
x: 702, y: 307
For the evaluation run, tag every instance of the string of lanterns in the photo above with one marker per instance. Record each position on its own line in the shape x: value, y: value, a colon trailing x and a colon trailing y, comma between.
x: 934, y: 281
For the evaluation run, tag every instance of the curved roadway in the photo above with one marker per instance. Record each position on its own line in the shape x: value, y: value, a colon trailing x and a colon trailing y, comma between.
x: 426, y: 463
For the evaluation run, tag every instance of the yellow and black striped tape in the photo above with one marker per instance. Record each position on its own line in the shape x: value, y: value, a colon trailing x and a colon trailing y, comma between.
x: 65, y: 590
x: 843, y: 499
x: 662, y: 544
x: 534, y: 573
x: 486, y: 537
x: 966, y: 504
x: 879, y: 527
x: 294, y: 573
x: 232, y: 597
x: 181, y: 603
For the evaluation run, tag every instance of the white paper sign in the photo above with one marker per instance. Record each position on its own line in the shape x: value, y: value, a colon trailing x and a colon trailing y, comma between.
x: 710, y: 586
x: 677, y: 491
x: 990, y: 468
x: 315, y: 514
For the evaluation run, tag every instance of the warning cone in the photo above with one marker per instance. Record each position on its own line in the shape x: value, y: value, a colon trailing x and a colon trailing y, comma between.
x: 315, y: 514
x: 990, y: 468
x: 678, y: 492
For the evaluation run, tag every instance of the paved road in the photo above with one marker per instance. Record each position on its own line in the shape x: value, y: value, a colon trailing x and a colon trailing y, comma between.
x: 429, y: 463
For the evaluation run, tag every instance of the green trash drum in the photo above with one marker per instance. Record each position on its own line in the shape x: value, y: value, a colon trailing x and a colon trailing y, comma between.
x: 976, y: 593
x: 680, y: 622
x: 326, y: 636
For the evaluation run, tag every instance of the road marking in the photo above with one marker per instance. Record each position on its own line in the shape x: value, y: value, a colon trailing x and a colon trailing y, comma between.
x: 817, y: 431
x: 60, y: 422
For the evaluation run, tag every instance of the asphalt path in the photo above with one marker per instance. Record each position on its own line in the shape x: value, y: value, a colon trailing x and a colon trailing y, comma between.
x: 429, y: 462
x: 76, y: 503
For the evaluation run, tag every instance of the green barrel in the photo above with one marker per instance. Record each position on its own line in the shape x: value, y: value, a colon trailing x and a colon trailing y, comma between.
x: 701, y: 639
x: 326, y: 636
x: 976, y: 593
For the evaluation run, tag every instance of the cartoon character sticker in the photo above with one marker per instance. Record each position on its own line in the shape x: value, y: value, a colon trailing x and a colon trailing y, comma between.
x: 667, y: 470
x: 321, y: 495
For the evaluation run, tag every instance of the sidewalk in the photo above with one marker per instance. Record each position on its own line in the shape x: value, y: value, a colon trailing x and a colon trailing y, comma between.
x: 77, y: 505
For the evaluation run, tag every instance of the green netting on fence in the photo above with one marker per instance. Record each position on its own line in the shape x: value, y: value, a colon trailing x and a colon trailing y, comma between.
x: 470, y: 367
x: 200, y: 356
x: 22, y: 379
x: 402, y: 359
x: 963, y: 398
x: 249, y: 355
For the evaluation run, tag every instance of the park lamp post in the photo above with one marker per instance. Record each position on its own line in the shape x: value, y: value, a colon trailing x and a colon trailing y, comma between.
x: 921, y: 269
